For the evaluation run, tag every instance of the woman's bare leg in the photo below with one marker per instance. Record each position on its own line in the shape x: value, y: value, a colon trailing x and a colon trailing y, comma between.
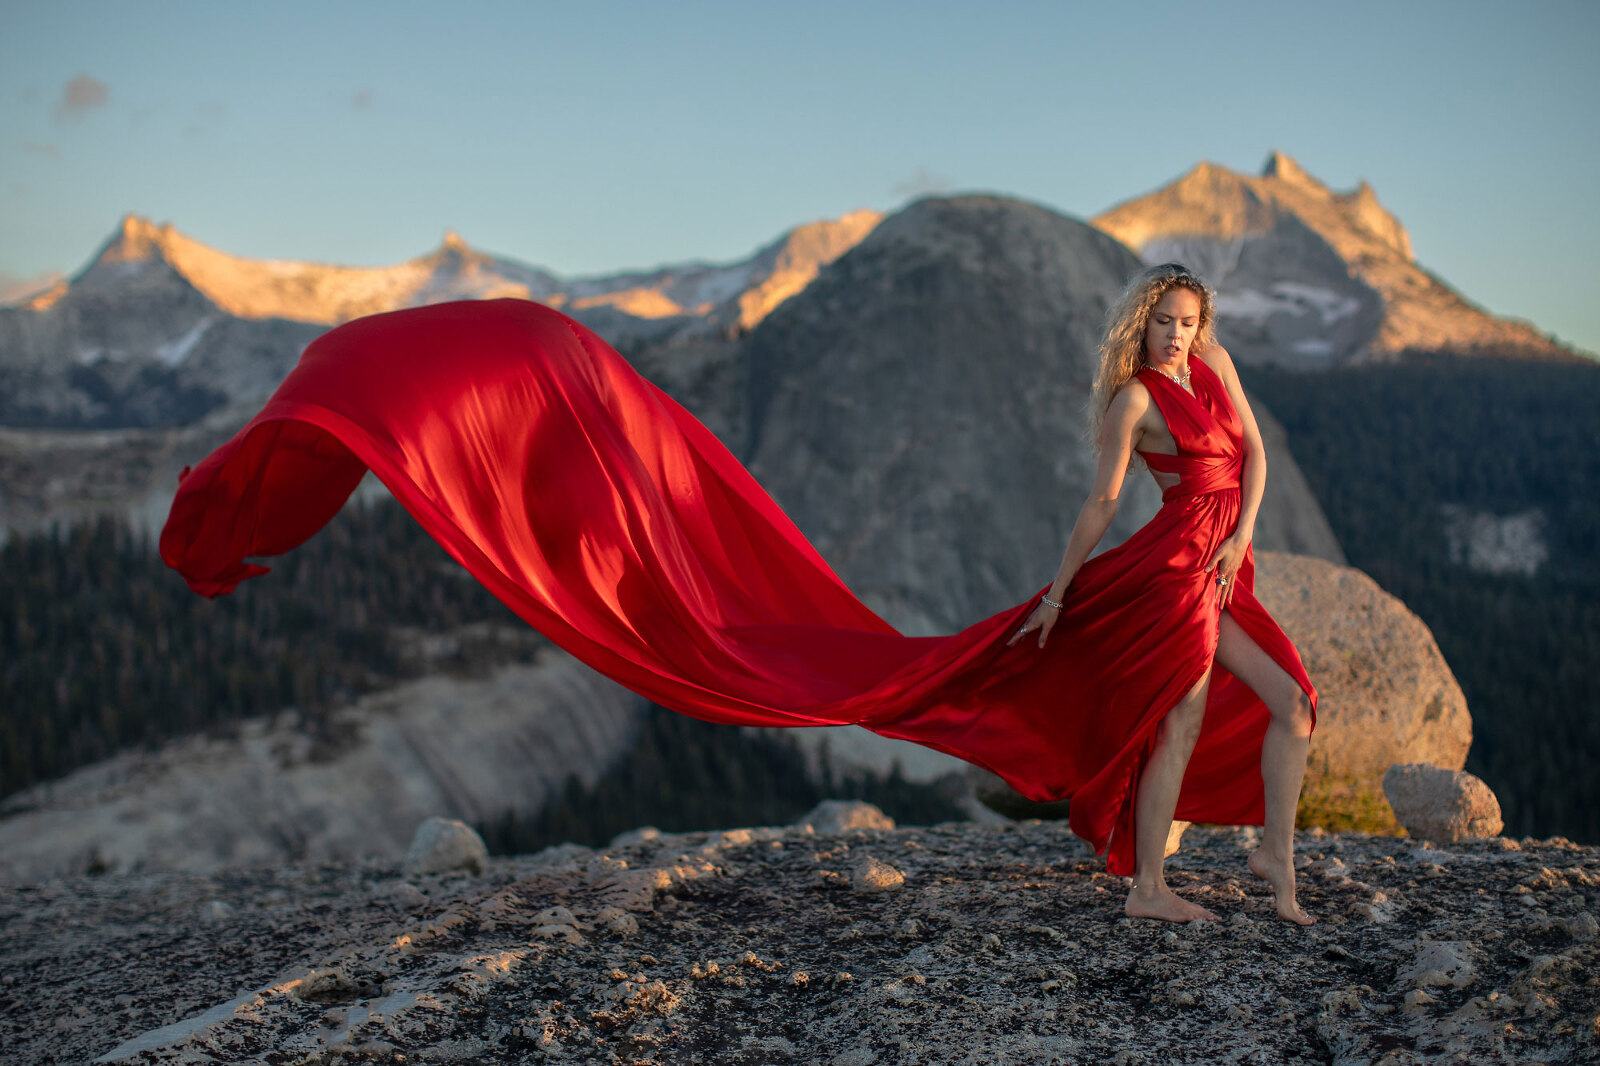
x: 1283, y: 759
x: 1153, y: 807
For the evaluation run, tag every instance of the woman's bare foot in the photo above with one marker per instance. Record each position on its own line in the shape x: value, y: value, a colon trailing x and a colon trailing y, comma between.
x: 1280, y: 875
x: 1159, y: 901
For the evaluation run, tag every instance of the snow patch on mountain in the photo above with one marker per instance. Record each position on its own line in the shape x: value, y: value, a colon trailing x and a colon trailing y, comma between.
x: 1287, y: 297
x: 176, y: 351
x: 1313, y: 346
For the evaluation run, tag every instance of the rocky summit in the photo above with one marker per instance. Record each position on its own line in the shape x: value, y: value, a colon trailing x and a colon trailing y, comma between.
x: 955, y: 943
x: 1308, y: 277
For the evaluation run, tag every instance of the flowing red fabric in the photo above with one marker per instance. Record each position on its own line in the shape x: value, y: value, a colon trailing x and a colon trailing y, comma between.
x: 608, y: 518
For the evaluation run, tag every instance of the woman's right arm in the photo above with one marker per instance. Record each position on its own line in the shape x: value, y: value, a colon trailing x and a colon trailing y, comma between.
x: 1119, y: 434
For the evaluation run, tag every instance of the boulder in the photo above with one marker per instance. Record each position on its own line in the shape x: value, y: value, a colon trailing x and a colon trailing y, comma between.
x: 991, y: 790
x: 1385, y: 693
x: 217, y: 911
x: 1174, y: 837
x: 629, y: 837
x: 870, y: 875
x: 836, y: 816
x: 443, y: 845
x: 1440, y: 805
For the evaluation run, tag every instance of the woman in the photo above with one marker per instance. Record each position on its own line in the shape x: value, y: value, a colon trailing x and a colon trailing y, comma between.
x: 1159, y: 335
x: 609, y: 518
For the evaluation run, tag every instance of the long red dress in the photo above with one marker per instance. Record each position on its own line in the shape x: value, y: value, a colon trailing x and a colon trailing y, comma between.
x: 607, y: 517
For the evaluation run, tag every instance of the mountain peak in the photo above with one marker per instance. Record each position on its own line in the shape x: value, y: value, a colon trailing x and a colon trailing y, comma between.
x: 1335, y: 277
x: 1364, y: 210
x: 137, y: 238
x: 797, y: 256
x: 455, y: 257
x: 1204, y: 174
x: 1284, y: 168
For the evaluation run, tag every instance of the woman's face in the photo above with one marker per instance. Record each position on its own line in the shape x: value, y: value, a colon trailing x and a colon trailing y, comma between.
x: 1173, y: 323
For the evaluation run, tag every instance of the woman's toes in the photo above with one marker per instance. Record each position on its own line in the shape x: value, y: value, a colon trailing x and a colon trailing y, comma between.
x: 1294, y: 914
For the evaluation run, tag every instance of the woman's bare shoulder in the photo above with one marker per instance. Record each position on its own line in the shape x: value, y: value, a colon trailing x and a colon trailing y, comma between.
x: 1129, y: 409
x: 1218, y: 359
x: 1132, y: 395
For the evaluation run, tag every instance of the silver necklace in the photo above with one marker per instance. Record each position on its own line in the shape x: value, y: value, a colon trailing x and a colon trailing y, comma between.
x: 1181, y: 381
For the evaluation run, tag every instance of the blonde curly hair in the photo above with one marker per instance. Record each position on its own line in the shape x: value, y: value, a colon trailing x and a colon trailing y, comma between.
x: 1122, y: 349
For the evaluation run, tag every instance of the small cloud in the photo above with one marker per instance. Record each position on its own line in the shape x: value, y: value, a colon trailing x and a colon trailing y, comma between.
x: 922, y: 183
x: 207, y: 116
x: 44, y: 148
x: 30, y: 95
x: 362, y: 100
x: 79, y: 96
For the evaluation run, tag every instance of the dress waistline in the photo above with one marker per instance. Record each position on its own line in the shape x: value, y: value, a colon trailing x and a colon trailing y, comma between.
x: 1200, y: 475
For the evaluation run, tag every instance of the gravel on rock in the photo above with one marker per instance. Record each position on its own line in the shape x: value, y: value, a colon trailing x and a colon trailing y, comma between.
x: 1000, y: 943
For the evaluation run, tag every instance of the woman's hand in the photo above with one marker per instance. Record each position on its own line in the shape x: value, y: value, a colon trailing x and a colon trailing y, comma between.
x: 1043, y: 619
x: 1224, y: 566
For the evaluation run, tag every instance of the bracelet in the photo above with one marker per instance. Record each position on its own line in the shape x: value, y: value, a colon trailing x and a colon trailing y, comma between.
x: 1048, y: 602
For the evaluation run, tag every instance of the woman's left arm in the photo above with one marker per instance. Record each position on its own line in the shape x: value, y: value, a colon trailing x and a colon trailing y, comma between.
x: 1253, y: 479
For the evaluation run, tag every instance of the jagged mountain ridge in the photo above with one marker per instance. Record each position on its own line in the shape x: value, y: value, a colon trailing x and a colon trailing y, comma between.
x: 159, y: 328
x: 1309, y: 277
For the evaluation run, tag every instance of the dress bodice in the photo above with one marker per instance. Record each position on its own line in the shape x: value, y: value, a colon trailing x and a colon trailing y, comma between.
x: 1204, y: 425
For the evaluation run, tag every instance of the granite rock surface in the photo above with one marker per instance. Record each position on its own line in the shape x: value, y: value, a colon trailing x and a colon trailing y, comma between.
x: 775, y: 945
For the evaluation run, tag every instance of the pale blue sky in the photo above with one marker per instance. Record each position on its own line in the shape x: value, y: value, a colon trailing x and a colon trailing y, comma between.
x: 593, y: 136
